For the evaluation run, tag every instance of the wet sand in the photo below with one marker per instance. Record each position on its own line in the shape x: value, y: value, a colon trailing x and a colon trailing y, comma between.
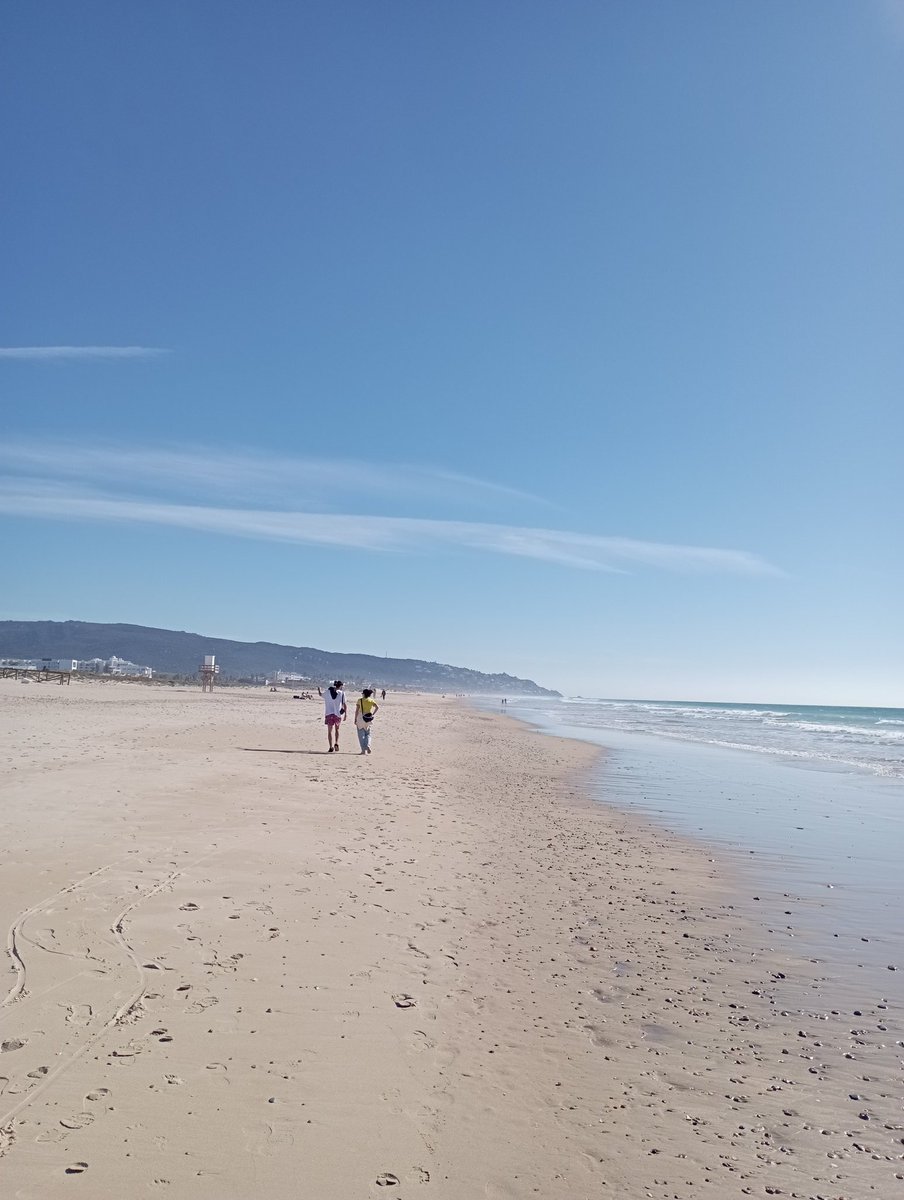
x: 239, y: 965
x: 815, y: 852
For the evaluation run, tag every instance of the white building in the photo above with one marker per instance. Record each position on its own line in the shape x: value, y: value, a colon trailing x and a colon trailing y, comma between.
x: 110, y: 666
x: 91, y: 666
x: 86, y: 666
x: 122, y: 666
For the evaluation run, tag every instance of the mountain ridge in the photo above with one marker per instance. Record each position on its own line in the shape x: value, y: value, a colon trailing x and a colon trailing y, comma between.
x: 179, y: 652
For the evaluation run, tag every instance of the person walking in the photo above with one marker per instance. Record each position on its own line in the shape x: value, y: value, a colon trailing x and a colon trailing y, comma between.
x: 365, y: 711
x: 334, y: 713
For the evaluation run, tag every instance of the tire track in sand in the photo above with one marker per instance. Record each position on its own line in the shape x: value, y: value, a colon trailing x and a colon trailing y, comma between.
x: 15, y: 933
x: 17, y: 991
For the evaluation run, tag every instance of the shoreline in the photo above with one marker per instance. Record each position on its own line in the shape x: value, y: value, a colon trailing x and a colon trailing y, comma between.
x: 812, y: 845
x: 444, y: 965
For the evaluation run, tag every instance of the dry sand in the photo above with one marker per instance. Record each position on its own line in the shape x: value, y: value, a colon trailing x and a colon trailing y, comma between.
x: 241, y: 966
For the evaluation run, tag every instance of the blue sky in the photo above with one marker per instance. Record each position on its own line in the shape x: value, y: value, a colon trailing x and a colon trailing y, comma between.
x: 562, y: 339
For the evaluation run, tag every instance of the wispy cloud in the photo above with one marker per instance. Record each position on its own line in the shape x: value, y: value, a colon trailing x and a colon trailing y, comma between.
x: 198, y: 473
x: 379, y: 533
x: 307, y: 501
x: 58, y: 353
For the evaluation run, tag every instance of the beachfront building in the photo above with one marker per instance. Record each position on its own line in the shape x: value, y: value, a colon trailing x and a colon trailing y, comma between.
x: 84, y: 666
x: 291, y: 677
x: 122, y: 666
x: 112, y: 666
x: 40, y: 664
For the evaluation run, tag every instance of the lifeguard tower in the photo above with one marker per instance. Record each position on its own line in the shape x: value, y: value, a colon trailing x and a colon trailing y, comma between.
x: 208, y: 671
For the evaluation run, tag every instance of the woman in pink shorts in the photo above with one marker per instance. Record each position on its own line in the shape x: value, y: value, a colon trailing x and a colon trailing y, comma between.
x: 334, y: 713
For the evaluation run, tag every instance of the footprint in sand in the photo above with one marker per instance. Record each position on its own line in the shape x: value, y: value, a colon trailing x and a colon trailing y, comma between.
x: 272, y: 1139
x: 77, y: 1168
x: 66, y: 1126
x: 12, y: 1044
x: 78, y: 1014
x: 98, y: 1094
x: 189, y: 907
x: 403, y: 1000
x: 387, y: 1179
x: 79, y: 1121
x: 199, y: 1005
x: 127, y: 1054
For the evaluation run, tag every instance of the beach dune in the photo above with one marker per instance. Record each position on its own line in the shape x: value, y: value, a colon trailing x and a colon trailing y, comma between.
x: 237, y: 965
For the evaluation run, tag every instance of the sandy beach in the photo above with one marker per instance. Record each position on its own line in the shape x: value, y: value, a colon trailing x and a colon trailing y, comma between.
x: 237, y: 965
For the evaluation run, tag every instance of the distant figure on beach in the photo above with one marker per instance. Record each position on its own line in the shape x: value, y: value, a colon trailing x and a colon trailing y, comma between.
x: 365, y: 711
x: 334, y: 713
x: 383, y: 694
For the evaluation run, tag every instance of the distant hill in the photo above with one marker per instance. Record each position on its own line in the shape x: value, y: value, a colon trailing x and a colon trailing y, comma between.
x: 177, y: 653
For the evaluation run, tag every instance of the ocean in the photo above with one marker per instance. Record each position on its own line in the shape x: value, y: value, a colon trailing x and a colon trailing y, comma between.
x: 807, y: 803
x: 860, y: 739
